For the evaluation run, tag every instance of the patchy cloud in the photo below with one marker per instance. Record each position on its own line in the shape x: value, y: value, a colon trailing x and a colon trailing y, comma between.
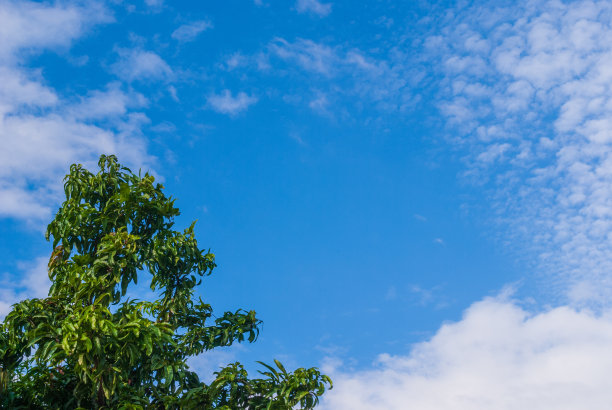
x: 33, y: 26
x: 108, y: 104
x: 387, y: 81
x: 320, y: 104
x: 154, y: 3
x: 141, y: 65
x: 527, y: 90
x: 307, y: 54
x: 498, y: 356
x: 226, y: 103
x: 189, y: 32
x: 42, y: 132
x: 313, y: 7
x: 33, y: 283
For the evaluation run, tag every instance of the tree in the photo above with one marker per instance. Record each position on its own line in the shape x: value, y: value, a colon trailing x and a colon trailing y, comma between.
x: 88, y: 345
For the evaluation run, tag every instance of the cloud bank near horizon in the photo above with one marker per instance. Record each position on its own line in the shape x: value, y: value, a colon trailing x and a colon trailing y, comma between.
x: 498, y: 356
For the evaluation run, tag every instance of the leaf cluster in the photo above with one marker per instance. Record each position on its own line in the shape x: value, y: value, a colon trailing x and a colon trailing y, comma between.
x: 89, y: 345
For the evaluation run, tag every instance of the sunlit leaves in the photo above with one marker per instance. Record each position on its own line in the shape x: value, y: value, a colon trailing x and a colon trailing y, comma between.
x: 88, y: 346
x: 280, y: 390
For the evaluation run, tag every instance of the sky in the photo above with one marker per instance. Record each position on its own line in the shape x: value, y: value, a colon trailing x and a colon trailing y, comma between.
x: 414, y: 196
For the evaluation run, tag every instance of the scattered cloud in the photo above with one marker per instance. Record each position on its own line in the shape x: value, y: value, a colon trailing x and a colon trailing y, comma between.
x: 189, y: 32
x: 385, y: 81
x: 108, y: 104
x: 420, y: 217
x: 226, y: 103
x: 27, y: 26
x: 320, y: 103
x: 313, y: 7
x: 334, y: 75
x: 234, y: 61
x: 307, y: 54
x: 43, y: 132
x: 154, y: 3
x: 212, y: 361
x: 141, y: 65
x: 527, y: 89
x: 33, y: 283
x: 498, y: 356
x: 427, y: 296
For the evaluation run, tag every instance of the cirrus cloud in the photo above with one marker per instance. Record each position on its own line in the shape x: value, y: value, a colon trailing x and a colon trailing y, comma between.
x: 189, y: 32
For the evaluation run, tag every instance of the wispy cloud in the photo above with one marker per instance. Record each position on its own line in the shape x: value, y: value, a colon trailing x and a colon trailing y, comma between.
x: 419, y: 217
x: 320, y: 103
x: 226, y: 103
x: 189, y: 32
x: 207, y: 363
x: 497, y: 357
x: 33, y: 283
x: 307, y: 54
x: 141, y: 65
x: 313, y: 7
x: 386, y: 81
x: 154, y: 3
x: 527, y: 89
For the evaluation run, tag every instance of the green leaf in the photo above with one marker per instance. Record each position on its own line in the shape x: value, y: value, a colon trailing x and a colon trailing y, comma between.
x: 88, y: 346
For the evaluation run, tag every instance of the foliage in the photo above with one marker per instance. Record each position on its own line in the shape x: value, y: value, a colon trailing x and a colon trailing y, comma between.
x: 88, y: 345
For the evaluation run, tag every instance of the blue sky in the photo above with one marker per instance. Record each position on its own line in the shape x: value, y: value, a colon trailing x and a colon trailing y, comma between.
x: 414, y: 197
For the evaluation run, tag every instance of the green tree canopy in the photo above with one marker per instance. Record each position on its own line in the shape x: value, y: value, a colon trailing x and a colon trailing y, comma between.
x: 88, y: 345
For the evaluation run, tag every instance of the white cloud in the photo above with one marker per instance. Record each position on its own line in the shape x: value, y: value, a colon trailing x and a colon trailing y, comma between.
x: 108, y: 104
x: 33, y: 283
x: 527, y: 93
x: 498, y: 356
x: 527, y: 89
x: 141, y: 65
x: 307, y: 54
x: 32, y: 26
x: 226, y: 103
x: 189, y: 32
x: 314, y: 7
x: 43, y: 132
x: 20, y: 88
x: 37, y: 151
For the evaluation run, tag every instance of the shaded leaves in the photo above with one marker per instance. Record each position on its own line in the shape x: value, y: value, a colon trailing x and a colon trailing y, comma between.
x: 87, y: 345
